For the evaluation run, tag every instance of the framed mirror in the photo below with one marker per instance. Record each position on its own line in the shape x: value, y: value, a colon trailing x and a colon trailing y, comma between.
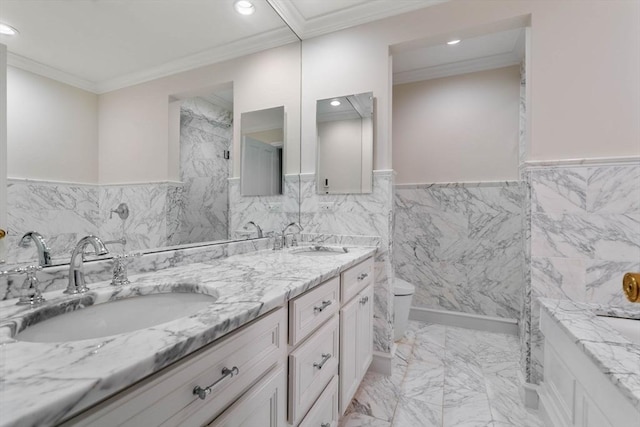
x: 345, y: 144
x: 262, y: 152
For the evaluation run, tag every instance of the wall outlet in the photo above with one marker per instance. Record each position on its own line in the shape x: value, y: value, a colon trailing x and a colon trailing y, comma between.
x: 275, y: 207
x: 327, y: 206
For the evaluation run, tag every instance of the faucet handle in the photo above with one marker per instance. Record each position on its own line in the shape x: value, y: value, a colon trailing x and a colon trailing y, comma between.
x: 30, y: 291
x: 120, y: 262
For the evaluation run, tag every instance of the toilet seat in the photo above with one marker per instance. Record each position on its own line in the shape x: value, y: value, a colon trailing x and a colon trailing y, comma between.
x: 402, y: 287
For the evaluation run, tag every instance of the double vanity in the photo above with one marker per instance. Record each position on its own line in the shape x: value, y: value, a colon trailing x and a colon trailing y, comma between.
x: 269, y: 338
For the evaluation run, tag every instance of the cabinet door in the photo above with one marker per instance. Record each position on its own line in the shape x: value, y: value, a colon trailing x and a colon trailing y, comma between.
x: 264, y: 405
x: 364, y: 339
x: 349, y: 372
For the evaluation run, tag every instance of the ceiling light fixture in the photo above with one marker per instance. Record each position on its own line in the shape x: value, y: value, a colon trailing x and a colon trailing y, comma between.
x: 335, y: 103
x: 7, y: 30
x: 452, y: 42
x: 244, y: 7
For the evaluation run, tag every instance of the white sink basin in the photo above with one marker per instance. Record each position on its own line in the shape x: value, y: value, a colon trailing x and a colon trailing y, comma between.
x: 628, y: 328
x: 320, y: 251
x: 116, y: 317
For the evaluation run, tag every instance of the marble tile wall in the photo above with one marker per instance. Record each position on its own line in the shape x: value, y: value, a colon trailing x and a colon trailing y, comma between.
x: 206, y: 132
x: 585, y: 234
x: 460, y: 245
x: 359, y: 215
x: 64, y: 212
x: 271, y: 213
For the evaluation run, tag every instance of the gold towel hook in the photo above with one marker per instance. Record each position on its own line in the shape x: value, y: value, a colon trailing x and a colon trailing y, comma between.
x: 631, y: 286
x: 2, y: 233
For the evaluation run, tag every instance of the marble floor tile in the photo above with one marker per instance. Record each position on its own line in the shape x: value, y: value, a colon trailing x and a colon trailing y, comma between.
x: 413, y: 413
x: 445, y: 376
x: 360, y: 420
x: 469, y: 412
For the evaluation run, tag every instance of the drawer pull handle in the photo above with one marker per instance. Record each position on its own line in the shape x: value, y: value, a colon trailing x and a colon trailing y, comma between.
x: 364, y: 300
x: 202, y: 393
x: 322, y: 306
x: 325, y: 357
x: 363, y: 276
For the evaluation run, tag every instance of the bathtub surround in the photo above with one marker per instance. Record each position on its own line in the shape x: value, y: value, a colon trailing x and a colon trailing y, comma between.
x: 359, y: 215
x: 585, y: 234
x: 460, y: 245
x: 600, y: 360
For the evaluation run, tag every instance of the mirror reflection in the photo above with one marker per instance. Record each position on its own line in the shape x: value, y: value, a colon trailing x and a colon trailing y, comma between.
x: 345, y: 144
x: 156, y: 130
x: 262, y: 152
x: 206, y: 138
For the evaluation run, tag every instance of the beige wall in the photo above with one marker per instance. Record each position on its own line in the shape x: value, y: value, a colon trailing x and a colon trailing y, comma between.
x: 456, y: 129
x: 340, y: 151
x: 52, y: 129
x: 583, y: 69
x: 134, y: 125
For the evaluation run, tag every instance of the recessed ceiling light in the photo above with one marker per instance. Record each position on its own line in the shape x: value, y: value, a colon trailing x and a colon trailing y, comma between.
x: 244, y: 7
x: 335, y: 103
x: 452, y: 42
x: 7, y: 30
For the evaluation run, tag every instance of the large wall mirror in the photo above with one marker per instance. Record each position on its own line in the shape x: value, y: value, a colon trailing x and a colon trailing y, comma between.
x: 96, y: 125
x: 262, y: 152
x: 345, y: 144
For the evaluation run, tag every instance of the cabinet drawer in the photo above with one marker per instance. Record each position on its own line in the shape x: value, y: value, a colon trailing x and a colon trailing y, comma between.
x: 167, y: 398
x: 309, y: 311
x: 264, y: 405
x: 311, y: 367
x: 325, y: 411
x: 356, y: 278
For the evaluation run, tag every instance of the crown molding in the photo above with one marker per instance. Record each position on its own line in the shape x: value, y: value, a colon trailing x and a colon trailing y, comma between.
x: 236, y: 49
x: 36, y: 67
x: 456, y: 68
x: 345, y: 18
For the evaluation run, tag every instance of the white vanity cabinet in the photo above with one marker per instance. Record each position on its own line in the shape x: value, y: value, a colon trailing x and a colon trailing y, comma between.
x: 314, y: 338
x: 280, y: 370
x: 356, y: 329
x: 167, y: 398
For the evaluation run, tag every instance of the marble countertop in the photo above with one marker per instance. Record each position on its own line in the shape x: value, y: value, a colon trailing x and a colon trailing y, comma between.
x: 616, y: 356
x: 44, y: 383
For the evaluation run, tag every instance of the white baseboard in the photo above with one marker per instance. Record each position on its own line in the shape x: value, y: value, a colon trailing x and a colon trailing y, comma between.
x: 465, y: 320
x: 382, y: 363
x: 529, y: 395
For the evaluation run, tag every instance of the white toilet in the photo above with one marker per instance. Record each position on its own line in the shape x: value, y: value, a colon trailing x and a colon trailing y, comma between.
x: 402, y: 293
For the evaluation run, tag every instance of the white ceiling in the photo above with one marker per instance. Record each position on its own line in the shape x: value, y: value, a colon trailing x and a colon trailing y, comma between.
x: 102, y: 45
x: 485, y: 52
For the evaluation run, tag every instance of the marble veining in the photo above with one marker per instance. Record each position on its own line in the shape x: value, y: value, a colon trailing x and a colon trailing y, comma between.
x: 461, y: 246
x: 616, y: 356
x: 56, y: 278
x: 582, y: 233
x: 80, y: 373
x: 445, y: 376
x: 359, y: 215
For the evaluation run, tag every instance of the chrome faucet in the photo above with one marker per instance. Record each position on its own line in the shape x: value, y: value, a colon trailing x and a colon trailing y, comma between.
x: 293, y: 239
x: 258, y: 229
x: 44, y: 253
x: 76, y: 272
x: 30, y: 293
